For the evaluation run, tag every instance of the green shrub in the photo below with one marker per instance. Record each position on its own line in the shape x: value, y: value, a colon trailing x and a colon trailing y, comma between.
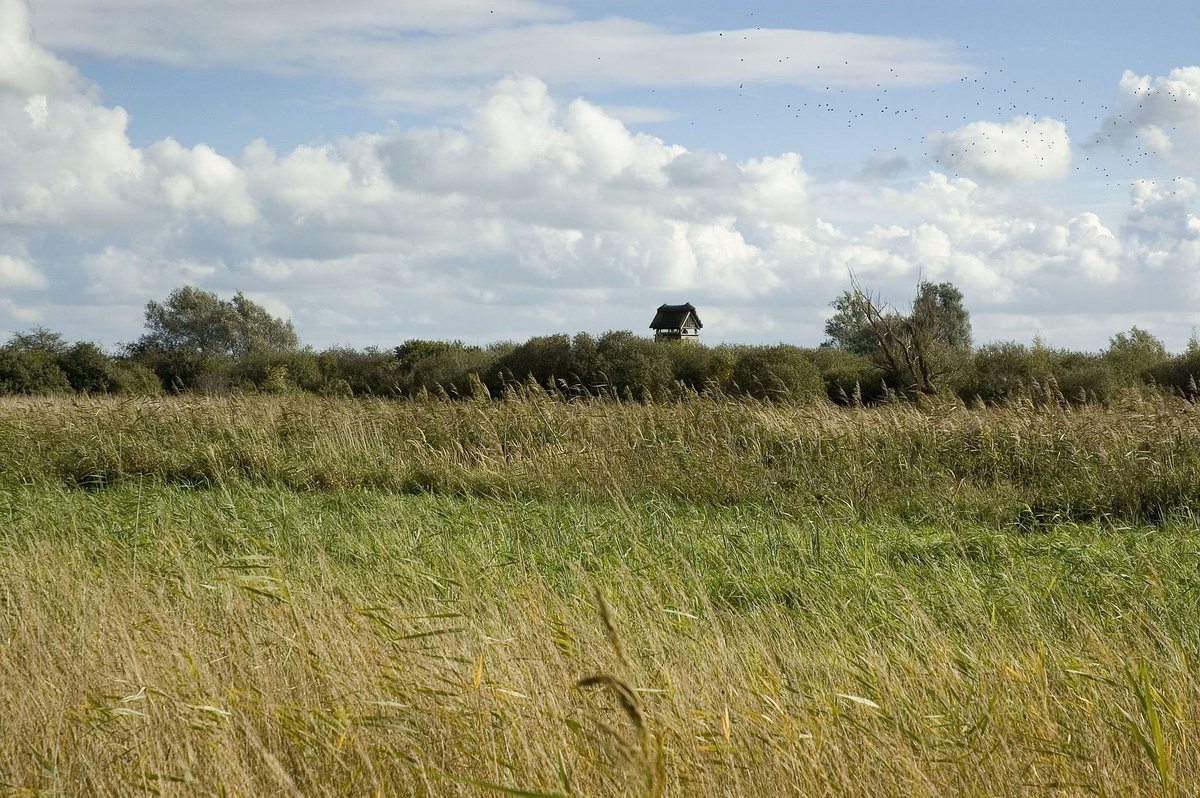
x: 453, y: 368
x: 848, y: 376
x: 691, y: 364
x: 1133, y: 355
x: 1006, y: 370
x: 1180, y: 374
x: 779, y: 373
x: 1088, y: 378
x: 367, y: 372
x: 635, y: 366
x: 30, y: 371
x: 545, y: 359
x: 135, y: 379
x: 87, y: 368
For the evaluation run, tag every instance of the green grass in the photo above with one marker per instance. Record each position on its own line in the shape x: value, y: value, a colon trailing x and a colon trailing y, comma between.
x: 261, y: 597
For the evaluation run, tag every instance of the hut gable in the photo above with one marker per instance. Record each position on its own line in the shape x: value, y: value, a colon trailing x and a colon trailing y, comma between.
x: 676, y: 322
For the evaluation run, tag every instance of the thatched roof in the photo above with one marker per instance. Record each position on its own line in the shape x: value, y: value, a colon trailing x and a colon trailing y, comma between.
x: 676, y: 317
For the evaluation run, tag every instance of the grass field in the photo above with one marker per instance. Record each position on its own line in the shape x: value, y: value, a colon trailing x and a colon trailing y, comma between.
x: 296, y: 596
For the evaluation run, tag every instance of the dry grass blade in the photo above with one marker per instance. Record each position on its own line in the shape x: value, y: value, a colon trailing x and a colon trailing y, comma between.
x: 626, y: 698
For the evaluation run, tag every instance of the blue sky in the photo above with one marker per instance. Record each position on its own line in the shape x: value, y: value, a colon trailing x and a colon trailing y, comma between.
x: 487, y: 171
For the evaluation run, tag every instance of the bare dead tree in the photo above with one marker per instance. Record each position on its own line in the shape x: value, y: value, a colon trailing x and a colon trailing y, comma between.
x: 915, y: 346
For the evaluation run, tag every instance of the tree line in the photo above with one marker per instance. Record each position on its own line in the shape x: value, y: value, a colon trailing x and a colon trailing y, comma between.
x: 195, y: 341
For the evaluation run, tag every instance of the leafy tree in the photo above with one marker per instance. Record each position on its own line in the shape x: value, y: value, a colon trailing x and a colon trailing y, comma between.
x: 39, y: 339
x: 921, y: 350
x: 201, y: 322
x: 193, y: 338
x: 1133, y: 354
x: 849, y: 328
x: 939, y: 309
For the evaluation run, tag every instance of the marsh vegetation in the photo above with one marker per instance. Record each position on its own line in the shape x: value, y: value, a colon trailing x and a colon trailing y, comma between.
x: 311, y: 596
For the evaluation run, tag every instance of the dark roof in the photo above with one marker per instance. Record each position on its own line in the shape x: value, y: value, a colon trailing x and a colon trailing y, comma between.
x: 674, y: 317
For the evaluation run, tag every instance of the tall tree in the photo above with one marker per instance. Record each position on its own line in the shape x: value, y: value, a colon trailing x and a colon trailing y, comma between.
x: 193, y: 338
x: 939, y: 309
x: 849, y: 328
x: 199, y: 321
x: 919, y: 349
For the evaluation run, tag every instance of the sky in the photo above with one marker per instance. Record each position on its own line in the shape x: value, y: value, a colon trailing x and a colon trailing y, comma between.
x: 485, y: 171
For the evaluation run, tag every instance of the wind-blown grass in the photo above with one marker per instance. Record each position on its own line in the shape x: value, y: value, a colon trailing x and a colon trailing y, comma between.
x: 1133, y: 461
x: 261, y: 597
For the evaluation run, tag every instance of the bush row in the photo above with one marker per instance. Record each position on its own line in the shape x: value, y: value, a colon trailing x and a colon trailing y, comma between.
x: 619, y: 364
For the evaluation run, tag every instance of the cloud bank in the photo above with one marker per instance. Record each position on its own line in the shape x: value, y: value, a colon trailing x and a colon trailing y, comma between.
x: 535, y: 215
x: 402, y: 54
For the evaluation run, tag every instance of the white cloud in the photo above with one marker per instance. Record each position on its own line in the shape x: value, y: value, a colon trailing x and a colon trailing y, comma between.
x: 18, y: 315
x: 66, y: 161
x: 24, y: 66
x: 19, y: 273
x: 1161, y: 212
x: 199, y: 181
x: 62, y: 155
x: 413, y: 53
x: 273, y: 304
x: 885, y: 166
x: 1161, y: 114
x: 188, y: 33
x: 640, y: 114
x: 115, y: 274
x: 1023, y: 149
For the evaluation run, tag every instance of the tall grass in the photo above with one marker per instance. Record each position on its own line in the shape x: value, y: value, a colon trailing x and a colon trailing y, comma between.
x: 298, y: 597
x: 1134, y: 461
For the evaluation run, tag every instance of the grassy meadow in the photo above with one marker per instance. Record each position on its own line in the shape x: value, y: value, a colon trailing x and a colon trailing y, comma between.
x: 301, y: 596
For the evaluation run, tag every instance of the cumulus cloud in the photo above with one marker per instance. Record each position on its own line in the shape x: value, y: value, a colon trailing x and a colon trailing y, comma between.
x: 18, y: 315
x: 18, y: 273
x: 955, y: 229
x: 1161, y: 212
x: 24, y: 66
x: 1160, y: 114
x: 66, y: 161
x: 885, y: 166
x: 114, y: 274
x: 403, y: 53
x: 1024, y: 149
x: 1164, y: 224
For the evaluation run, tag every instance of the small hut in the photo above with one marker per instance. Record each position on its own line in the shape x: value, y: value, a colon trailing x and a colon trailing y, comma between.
x: 676, y: 323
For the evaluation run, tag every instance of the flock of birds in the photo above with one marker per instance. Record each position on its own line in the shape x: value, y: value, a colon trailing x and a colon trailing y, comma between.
x: 915, y: 115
